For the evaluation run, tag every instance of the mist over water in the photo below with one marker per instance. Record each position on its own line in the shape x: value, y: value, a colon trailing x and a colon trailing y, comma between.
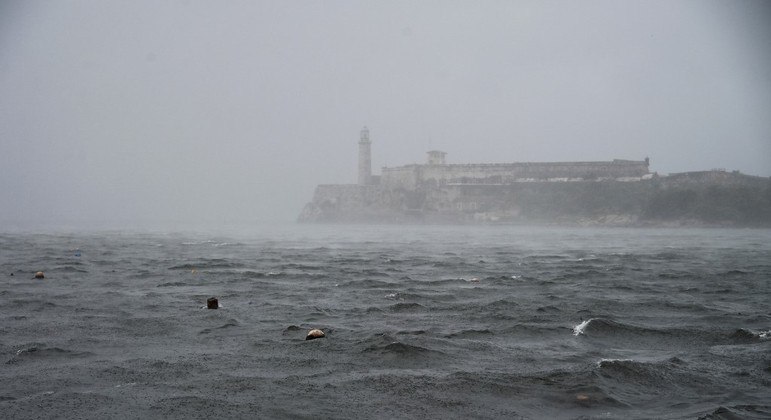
x: 152, y: 155
x: 437, y: 322
x: 212, y: 114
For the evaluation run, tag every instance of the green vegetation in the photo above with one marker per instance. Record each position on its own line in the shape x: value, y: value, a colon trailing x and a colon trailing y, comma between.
x: 740, y: 205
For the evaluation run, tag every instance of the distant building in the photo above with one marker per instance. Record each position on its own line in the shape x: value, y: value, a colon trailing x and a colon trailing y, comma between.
x: 614, y: 193
x: 436, y: 172
x: 436, y: 157
x: 365, y: 158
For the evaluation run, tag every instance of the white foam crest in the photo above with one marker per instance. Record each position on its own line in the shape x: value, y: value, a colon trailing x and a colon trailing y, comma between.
x: 579, y: 329
x: 197, y: 242
x: 765, y: 334
x: 604, y: 361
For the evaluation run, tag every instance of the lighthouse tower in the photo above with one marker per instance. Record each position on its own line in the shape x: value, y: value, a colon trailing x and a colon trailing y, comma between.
x: 365, y: 158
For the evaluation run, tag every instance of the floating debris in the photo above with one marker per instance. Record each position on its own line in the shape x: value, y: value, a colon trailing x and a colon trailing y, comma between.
x: 212, y: 303
x: 314, y: 334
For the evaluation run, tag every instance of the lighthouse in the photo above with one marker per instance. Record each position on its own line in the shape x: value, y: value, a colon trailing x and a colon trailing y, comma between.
x: 365, y: 158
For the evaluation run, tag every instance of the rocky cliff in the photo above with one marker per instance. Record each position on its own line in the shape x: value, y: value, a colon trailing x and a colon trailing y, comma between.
x: 711, y: 198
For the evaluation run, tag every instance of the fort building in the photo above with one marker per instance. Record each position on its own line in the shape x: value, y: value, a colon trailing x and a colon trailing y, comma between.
x: 436, y: 172
x: 615, y: 192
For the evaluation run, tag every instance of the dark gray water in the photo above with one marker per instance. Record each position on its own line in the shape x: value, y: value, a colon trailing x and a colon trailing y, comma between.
x: 421, y: 322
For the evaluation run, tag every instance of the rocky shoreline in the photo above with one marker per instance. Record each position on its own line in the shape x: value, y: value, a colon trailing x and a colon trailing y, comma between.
x: 696, y: 199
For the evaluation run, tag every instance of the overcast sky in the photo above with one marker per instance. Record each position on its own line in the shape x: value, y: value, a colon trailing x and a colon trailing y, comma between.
x: 123, y: 112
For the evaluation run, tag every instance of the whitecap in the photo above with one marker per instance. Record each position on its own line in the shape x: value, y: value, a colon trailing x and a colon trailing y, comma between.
x: 579, y: 329
x: 606, y: 361
x: 197, y: 242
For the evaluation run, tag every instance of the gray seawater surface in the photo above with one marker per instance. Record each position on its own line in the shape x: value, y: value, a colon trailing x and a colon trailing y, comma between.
x: 421, y: 322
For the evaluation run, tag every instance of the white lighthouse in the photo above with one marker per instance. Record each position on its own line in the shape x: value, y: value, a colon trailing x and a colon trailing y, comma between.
x: 365, y: 158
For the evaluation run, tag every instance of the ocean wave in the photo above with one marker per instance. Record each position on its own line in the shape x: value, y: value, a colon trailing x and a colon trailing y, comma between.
x: 667, y: 256
x: 549, y: 309
x: 646, y: 377
x: 580, y: 328
x: 367, y: 284
x: 470, y: 333
x: 403, y: 350
x: 678, y: 275
x: 618, y: 363
x: 502, y: 304
x: 172, y: 284
x: 735, y: 273
x: 302, y: 267
x: 42, y: 352
x: 214, y: 263
x: 744, y: 335
x: 421, y: 340
x: 746, y: 412
x: 607, y: 327
x: 428, y: 293
x: 193, y: 406
x: 229, y: 324
x: 406, y: 307
x: 566, y: 389
x: 371, y: 272
x: 213, y: 243
x: 411, y: 332
x: 446, y: 281
x: 70, y: 269
x: 386, y: 343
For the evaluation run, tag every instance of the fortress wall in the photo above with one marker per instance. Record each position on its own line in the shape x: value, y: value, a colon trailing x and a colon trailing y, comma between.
x: 513, y: 172
x: 346, y: 195
x: 345, y: 203
x: 711, y: 198
x: 539, y: 201
x: 411, y: 176
x: 401, y: 177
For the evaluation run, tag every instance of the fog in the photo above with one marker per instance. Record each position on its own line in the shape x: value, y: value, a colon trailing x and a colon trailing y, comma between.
x: 121, y: 113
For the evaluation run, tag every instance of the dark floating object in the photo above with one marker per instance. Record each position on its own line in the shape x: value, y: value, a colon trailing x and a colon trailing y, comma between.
x: 40, y: 275
x: 212, y: 303
x: 314, y: 334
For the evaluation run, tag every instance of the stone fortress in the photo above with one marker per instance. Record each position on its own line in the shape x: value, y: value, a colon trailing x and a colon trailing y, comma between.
x: 436, y: 172
x: 617, y: 192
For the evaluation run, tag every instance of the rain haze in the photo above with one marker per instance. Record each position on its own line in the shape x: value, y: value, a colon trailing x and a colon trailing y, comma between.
x: 195, y: 224
x: 127, y: 113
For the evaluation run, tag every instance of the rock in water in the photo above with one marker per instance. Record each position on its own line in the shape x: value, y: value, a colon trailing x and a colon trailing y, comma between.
x: 212, y: 303
x: 40, y: 275
x: 314, y: 334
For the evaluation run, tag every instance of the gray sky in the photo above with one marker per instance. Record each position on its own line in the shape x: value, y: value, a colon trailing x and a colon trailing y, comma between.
x: 123, y: 112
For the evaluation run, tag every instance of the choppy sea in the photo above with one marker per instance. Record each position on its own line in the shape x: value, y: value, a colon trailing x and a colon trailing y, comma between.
x: 420, y: 322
